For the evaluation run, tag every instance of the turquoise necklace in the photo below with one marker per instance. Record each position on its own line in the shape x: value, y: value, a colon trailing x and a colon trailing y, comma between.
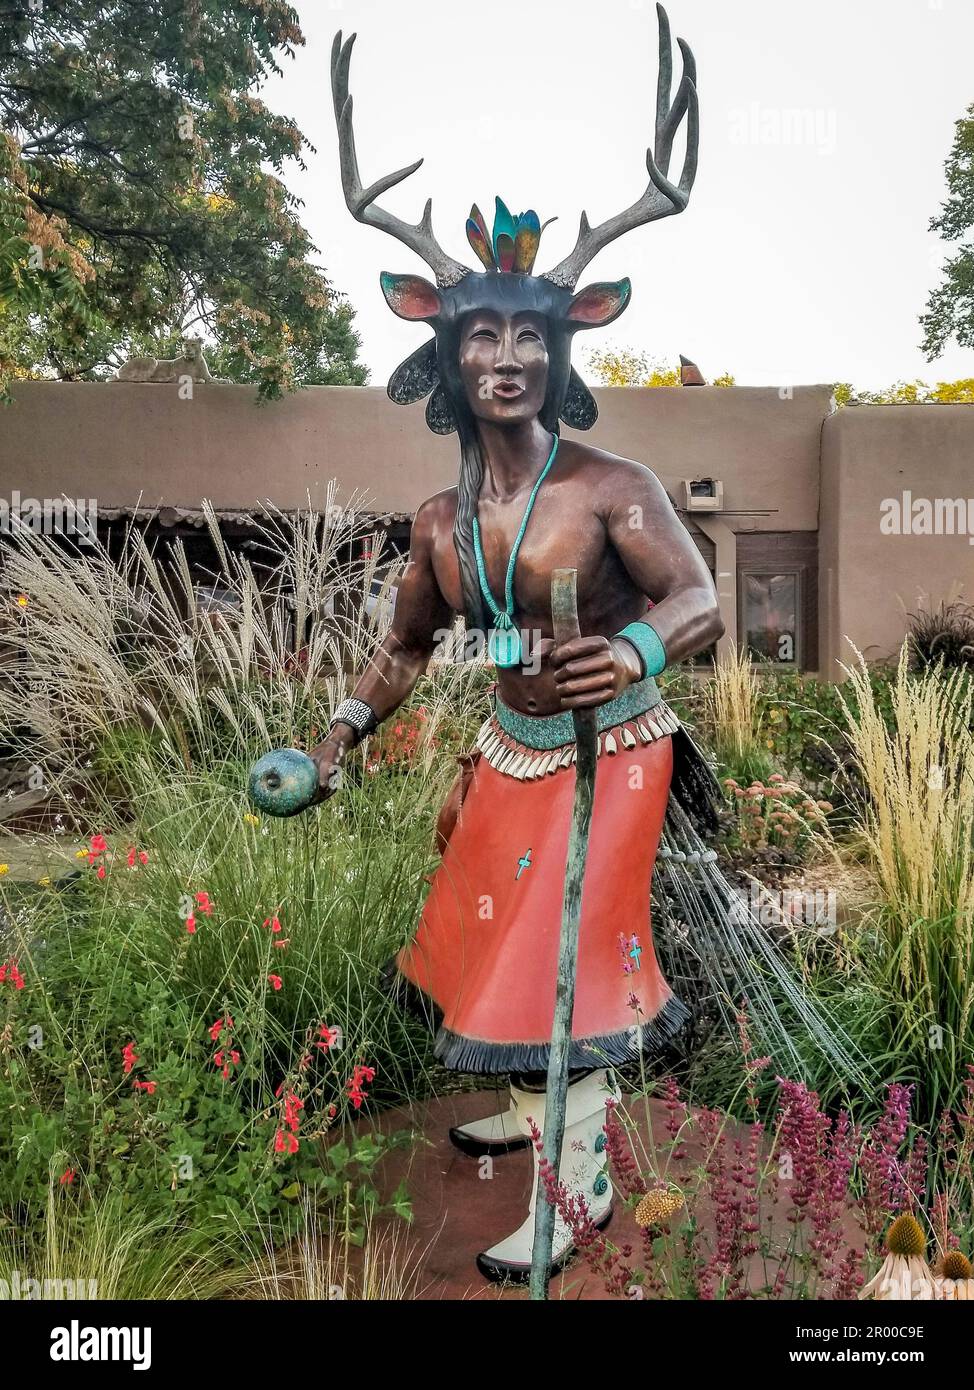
x: 504, y: 640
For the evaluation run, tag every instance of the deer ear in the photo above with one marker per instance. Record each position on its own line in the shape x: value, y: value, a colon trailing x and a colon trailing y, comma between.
x: 410, y: 296
x: 599, y: 304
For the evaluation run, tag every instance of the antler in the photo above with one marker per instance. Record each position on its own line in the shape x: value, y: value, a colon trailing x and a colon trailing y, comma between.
x: 661, y: 198
x: 361, y: 201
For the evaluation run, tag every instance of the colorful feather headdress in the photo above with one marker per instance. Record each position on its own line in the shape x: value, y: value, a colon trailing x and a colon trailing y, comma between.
x: 515, y: 241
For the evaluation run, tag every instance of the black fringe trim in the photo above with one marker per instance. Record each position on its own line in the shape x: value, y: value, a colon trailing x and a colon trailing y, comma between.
x: 694, y: 785
x: 459, y: 1053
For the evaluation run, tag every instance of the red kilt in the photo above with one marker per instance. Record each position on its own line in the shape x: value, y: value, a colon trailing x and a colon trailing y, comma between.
x: 485, y: 952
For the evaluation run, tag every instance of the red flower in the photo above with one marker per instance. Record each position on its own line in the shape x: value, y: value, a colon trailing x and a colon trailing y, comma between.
x: 10, y: 973
x: 97, y: 848
x: 67, y: 1177
x: 291, y: 1120
x: 220, y: 1060
x: 134, y: 855
x: 217, y: 1028
x: 285, y: 1143
x: 356, y: 1093
x: 191, y: 924
x: 273, y: 923
x: 203, y: 902
x: 328, y: 1036
x: 275, y: 980
x: 292, y: 1110
x: 149, y: 1086
x: 129, y: 1057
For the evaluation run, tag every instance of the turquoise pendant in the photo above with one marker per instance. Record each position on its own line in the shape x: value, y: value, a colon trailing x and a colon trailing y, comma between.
x: 504, y: 646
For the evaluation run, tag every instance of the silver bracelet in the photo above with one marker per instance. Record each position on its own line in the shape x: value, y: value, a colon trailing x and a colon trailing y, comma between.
x: 356, y: 713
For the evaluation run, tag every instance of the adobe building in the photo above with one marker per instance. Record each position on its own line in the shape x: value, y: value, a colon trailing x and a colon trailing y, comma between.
x: 818, y: 524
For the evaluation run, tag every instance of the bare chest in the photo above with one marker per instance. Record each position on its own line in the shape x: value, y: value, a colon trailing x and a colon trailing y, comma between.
x: 564, y: 530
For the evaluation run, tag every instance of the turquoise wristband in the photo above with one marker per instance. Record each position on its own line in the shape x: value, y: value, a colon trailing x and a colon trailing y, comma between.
x: 647, y: 643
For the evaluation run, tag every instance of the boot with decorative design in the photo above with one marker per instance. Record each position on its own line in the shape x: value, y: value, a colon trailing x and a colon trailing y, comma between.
x: 582, y: 1168
x: 495, y: 1134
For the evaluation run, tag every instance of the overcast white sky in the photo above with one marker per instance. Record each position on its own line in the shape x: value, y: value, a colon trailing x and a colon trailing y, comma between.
x: 798, y: 260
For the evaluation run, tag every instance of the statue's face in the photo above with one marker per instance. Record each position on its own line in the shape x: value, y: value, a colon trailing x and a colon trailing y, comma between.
x: 504, y: 365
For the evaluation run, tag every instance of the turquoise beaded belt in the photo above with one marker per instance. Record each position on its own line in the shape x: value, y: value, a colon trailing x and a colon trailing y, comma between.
x: 528, y: 746
x: 545, y: 731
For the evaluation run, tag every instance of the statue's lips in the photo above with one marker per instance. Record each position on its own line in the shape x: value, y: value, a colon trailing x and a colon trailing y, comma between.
x: 508, y: 390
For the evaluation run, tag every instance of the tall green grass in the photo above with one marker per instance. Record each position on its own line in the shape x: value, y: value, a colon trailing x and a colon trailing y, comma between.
x: 916, y: 826
x: 145, y: 710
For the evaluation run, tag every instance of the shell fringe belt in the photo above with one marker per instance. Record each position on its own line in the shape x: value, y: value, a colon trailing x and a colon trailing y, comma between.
x: 515, y: 759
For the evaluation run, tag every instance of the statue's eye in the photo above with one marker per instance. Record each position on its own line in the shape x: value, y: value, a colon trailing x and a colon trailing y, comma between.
x: 483, y: 333
x: 529, y: 333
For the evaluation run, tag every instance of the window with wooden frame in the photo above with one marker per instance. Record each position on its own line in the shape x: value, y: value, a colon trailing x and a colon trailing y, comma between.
x: 777, y: 585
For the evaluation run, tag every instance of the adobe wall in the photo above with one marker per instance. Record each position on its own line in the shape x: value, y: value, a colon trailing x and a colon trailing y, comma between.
x: 787, y: 462
x: 118, y: 441
x: 869, y: 577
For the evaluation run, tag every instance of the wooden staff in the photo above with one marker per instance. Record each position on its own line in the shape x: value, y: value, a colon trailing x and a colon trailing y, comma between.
x: 564, y: 617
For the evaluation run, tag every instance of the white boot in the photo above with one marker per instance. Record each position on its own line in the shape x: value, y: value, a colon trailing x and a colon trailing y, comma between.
x: 582, y: 1168
x: 495, y: 1134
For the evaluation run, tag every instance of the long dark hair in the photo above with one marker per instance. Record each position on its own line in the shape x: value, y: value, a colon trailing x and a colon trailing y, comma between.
x: 558, y: 342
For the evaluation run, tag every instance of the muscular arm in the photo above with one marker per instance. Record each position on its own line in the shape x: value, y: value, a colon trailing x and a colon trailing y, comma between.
x: 402, y: 657
x: 664, y: 563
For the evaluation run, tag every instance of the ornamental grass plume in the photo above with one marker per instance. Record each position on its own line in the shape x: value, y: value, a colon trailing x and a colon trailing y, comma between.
x: 917, y: 826
x: 733, y: 701
x: 904, y: 1275
x: 128, y: 636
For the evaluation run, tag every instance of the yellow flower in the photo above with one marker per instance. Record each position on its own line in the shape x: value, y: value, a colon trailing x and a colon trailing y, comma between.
x: 251, y: 819
x: 81, y: 854
x: 22, y: 600
x: 658, y: 1206
x: 44, y: 882
x: 4, y: 869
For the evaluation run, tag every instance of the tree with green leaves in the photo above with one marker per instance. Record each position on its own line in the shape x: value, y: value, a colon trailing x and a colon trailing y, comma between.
x: 950, y: 308
x: 142, y: 195
x: 623, y: 367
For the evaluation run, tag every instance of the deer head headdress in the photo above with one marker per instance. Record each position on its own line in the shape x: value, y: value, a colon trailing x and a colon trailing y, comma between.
x: 507, y: 282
